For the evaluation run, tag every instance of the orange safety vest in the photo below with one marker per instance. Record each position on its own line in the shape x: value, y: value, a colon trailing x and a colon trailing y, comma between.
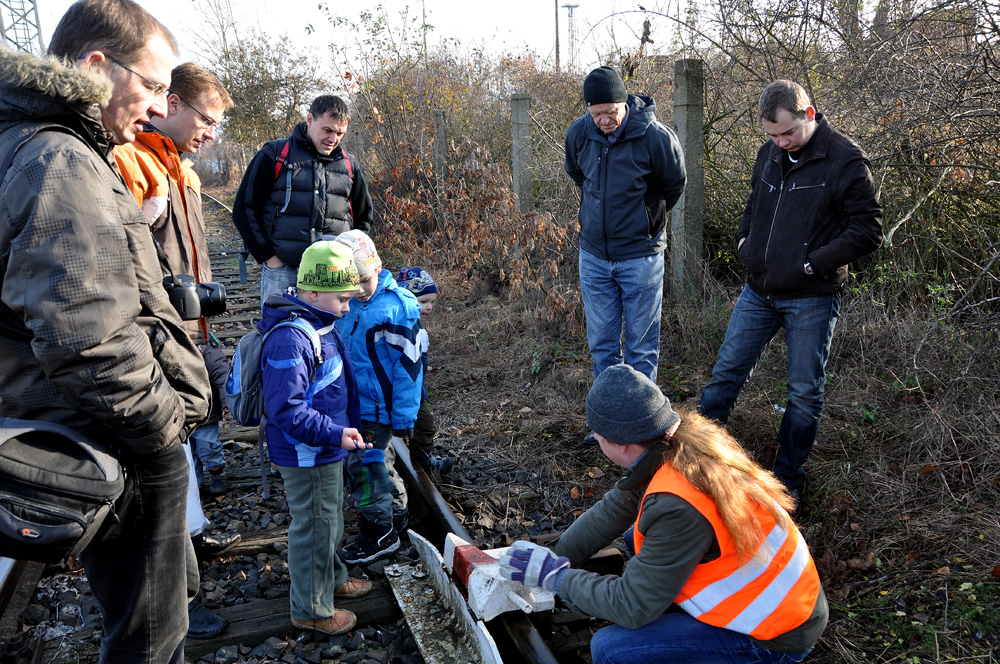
x: 771, y: 594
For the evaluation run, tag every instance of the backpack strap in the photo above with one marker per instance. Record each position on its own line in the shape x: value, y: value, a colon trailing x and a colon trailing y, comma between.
x: 350, y: 173
x: 282, y: 158
x: 304, y: 326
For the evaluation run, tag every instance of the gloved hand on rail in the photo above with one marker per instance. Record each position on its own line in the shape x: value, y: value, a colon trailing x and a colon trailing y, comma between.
x: 533, y: 565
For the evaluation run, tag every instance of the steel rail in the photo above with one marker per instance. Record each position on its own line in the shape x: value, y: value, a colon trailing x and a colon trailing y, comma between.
x: 518, y: 632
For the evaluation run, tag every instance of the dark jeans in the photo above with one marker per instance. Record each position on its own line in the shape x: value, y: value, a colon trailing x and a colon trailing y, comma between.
x: 808, y: 323
x: 144, y: 575
x: 422, y: 442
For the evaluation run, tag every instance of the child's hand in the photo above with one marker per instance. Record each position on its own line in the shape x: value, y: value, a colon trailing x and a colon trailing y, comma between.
x: 352, y: 440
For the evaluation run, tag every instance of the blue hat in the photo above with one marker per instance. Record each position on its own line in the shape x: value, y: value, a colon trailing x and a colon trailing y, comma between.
x: 416, y: 280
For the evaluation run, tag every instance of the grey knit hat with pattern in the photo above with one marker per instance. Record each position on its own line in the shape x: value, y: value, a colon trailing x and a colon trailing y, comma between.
x: 626, y: 407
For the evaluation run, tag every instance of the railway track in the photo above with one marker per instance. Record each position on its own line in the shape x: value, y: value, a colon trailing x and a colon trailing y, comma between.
x: 517, y: 636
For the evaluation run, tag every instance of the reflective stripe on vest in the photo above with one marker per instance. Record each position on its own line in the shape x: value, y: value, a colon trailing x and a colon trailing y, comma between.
x: 770, y: 594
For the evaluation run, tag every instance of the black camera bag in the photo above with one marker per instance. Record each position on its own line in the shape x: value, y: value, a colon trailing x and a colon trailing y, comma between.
x: 56, y: 489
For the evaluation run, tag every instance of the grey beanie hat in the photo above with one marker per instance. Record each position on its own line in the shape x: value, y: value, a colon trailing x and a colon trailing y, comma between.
x: 626, y: 407
x: 604, y: 86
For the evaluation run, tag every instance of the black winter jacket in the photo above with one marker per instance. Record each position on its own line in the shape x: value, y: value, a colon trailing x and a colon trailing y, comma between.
x: 628, y: 187
x: 824, y: 211
x: 313, y: 195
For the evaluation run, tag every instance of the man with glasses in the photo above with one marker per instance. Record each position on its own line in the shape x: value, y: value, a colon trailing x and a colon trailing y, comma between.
x: 813, y: 208
x: 169, y: 192
x: 299, y: 188
x: 88, y: 338
x: 629, y: 167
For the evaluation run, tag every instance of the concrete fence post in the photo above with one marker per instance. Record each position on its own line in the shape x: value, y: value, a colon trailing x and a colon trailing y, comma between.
x: 687, y: 227
x: 524, y: 185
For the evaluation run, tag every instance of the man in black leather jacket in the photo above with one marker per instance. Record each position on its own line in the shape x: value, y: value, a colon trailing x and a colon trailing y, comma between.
x: 813, y: 208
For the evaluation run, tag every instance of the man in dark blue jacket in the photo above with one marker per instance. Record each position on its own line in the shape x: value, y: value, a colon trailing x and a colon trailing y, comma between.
x: 630, y: 170
x: 299, y: 188
x: 813, y: 208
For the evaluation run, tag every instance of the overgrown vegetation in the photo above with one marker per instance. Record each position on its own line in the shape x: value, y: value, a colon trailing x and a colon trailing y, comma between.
x: 905, y: 479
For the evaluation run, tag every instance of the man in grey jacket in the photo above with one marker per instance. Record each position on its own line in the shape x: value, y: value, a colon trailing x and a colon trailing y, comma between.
x: 88, y: 337
x: 630, y: 170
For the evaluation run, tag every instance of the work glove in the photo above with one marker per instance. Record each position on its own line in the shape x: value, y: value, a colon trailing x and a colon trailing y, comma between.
x: 405, y: 434
x: 533, y: 565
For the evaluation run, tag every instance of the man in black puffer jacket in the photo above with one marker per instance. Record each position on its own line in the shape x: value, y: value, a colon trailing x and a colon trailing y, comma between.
x: 813, y: 208
x: 299, y: 188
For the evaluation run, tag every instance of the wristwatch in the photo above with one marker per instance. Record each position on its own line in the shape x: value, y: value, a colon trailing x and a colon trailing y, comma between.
x: 808, y: 268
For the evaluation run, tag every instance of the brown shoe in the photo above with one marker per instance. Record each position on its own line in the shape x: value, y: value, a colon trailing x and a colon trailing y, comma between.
x: 353, y: 588
x: 340, y: 622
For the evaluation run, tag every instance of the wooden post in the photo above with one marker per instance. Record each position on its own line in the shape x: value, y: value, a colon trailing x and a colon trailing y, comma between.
x: 440, y: 165
x: 687, y: 226
x: 520, y: 125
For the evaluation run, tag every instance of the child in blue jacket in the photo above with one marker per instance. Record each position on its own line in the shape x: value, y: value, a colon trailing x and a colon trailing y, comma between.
x: 420, y: 282
x: 382, y: 334
x: 312, y: 423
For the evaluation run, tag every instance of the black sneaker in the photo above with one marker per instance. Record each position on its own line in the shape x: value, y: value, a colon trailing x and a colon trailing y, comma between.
x: 400, y: 520
x: 367, y: 548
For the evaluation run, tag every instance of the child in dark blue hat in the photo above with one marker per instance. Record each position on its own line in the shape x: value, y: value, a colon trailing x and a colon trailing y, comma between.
x: 419, y: 282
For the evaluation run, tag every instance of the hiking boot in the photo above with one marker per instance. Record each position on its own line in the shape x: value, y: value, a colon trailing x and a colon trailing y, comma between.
x: 211, y: 546
x: 796, y: 511
x: 202, y: 623
x: 400, y: 520
x: 431, y: 462
x: 217, y: 481
x: 341, y: 622
x: 376, y: 543
x: 353, y: 588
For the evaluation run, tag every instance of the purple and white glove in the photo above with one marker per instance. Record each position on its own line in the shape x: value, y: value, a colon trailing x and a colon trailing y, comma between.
x: 533, y: 565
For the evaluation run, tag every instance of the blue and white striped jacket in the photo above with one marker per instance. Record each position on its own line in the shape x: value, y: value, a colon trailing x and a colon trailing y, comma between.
x: 382, y: 337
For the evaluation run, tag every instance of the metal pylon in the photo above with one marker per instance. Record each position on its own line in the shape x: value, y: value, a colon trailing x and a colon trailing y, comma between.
x: 19, y: 25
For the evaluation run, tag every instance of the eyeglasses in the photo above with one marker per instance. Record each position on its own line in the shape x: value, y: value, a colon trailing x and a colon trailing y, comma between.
x: 209, y: 122
x: 155, y: 88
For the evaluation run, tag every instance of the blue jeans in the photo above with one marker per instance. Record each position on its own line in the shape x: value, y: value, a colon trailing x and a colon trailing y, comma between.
x: 274, y: 280
x: 144, y: 575
x: 623, y: 292
x: 808, y: 323
x: 678, y: 638
x: 315, y: 501
x: 206, y: 448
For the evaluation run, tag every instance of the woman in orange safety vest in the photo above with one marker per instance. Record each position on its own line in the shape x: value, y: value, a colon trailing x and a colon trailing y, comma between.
x: 720, y: 572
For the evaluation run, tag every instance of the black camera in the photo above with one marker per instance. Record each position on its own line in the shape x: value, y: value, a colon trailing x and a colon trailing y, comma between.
x: 193, y: 300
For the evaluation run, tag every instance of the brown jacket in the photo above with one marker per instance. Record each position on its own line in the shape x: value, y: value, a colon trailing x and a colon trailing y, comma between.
x: 169, y: 192
x: 88, y: 338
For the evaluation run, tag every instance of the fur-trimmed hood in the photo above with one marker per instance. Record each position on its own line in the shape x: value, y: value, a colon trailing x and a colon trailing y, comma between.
x: 46, y: 87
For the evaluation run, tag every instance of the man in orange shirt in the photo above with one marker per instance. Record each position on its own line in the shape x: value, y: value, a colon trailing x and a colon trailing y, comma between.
x: 169, y: 193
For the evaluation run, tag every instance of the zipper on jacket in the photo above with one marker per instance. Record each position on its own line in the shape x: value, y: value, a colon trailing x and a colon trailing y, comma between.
x: 770, y: 230
x: 603, y: 169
